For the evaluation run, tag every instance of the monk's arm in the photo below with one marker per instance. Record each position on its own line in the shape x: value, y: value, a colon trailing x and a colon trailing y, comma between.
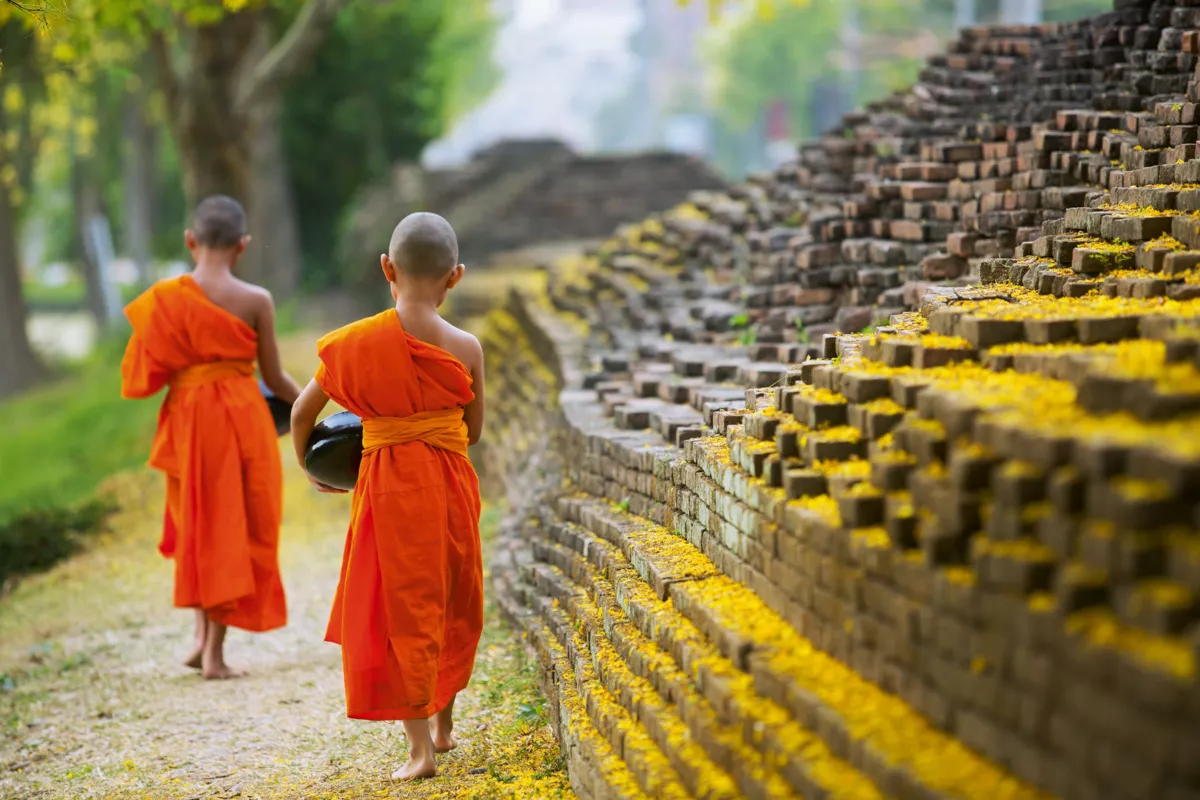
x: 269, y: 364
x: 304, y: 416
x: 473, y: 413
x: 141, y: 375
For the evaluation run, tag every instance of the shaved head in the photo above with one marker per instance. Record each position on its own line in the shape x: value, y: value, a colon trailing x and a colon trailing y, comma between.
x: 219, y: 222
x: 424, y: 246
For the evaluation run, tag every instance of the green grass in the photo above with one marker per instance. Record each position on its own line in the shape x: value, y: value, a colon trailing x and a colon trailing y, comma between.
x: 70, y: 296
x: 63, y: 439
x: 70, y: 434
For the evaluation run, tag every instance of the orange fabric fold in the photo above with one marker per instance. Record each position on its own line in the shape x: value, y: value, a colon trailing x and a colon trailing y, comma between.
x: 443, y: 429
x: 217, y: 445
x: 211, y: 372
x: 408, y: 611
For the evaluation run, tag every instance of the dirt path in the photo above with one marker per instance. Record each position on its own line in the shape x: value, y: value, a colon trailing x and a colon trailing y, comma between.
x: 94, y: 702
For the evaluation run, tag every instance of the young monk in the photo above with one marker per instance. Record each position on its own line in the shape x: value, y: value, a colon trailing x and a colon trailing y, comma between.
x: 409, y: 606
x: 201, y: 334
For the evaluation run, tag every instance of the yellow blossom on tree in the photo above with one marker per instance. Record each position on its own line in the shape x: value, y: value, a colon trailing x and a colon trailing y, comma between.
x: 14, y: 100
x: 63, y: 51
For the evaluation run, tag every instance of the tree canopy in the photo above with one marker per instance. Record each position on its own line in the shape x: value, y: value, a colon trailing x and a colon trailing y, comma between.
x: 132, y: 109
x: 428, y: 61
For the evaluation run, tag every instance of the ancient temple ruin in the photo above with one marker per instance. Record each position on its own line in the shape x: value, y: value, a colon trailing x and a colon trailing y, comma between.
x: 878, y: 476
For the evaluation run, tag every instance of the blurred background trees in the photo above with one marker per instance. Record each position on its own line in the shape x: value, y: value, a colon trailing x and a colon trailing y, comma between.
x: 118, y: 115
x: 785, y: 70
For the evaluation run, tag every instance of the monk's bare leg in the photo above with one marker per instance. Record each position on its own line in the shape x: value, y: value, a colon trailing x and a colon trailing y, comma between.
x: 214, y: 666
x: 420, y: 752
x: 443, y: 729
x: 196, y: 659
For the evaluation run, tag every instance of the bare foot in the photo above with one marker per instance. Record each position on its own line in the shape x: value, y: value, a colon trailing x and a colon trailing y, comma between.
x: 415, y: 770
x: 442, y: 729
x: 443, y: 744
x: 213, y: 664
x: 196, y: 659
x: 221, y: 672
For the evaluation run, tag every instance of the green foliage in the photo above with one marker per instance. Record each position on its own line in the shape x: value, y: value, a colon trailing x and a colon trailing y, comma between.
x: 531, y: 713
x: 783, y: 54
x: 739, y: 321
x: 67, y: 438
x: 801, y: 332
x: 462, y: 63
x: 38, y: 539
x: 388, y: 80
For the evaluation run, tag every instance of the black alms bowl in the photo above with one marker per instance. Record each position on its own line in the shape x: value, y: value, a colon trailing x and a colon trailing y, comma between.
x: 334, y: 450
x: 281, y: 412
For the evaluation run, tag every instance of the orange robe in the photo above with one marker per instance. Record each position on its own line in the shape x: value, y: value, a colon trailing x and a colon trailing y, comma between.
x: 217, y: 444
x: 409, y: 606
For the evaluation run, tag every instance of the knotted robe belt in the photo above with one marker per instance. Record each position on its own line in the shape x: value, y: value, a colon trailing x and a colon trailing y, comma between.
x: 445, y: 429
x: 211, y: 372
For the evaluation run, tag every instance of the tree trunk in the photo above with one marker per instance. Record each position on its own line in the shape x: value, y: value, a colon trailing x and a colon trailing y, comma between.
x: 240, y: 155
x: 273, y: 216
x: 19, y: 366
x: 275, y: 252
x: 224, y: 110
x: 86, y: 196
x: 138, y: 183
x: 214, y: 142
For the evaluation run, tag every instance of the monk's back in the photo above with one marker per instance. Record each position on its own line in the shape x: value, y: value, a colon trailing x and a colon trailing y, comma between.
x: 431, y: 329
x: 375, y: 368
x: 242, y: 300
x: 177, y: 326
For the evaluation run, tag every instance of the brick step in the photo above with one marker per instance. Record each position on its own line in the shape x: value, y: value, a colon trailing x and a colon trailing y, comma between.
x: 598, y: 771
x: 702, y: 751
x: 860, y: 722
x: 745, y: 733
x: 640, y: 747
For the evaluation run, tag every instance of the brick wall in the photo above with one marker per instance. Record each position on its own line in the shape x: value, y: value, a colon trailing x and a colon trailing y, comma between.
x: 954, y: 556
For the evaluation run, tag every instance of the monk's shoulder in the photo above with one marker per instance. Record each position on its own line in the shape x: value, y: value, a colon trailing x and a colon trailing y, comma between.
x: 354, y: 333
x: 463, y: 346
x: 249, y: 290
x: 163, y: 295
x: 175, y: 285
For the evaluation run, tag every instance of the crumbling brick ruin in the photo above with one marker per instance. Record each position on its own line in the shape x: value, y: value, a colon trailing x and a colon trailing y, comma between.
x: 763, y: 550
x: 525, y: 192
